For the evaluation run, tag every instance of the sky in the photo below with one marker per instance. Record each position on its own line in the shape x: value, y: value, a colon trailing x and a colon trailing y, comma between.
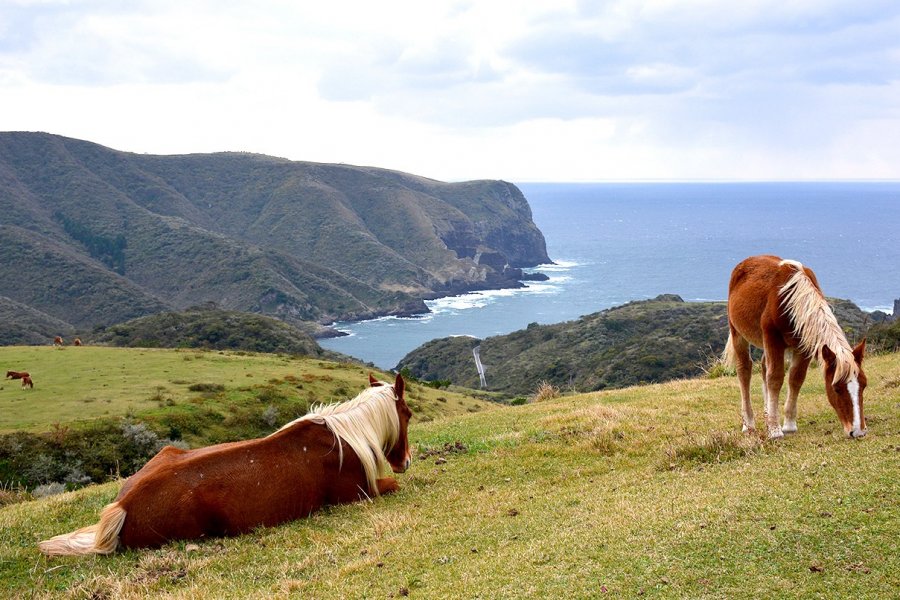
x: 517, y: 90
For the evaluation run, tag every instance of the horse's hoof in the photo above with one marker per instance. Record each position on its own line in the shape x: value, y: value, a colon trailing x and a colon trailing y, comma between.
x: 789, y: 427
x: 776, y: 434
x: 748, y: 428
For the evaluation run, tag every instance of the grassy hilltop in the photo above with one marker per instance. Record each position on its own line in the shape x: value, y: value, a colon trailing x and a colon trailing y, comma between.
x: 95, y: 412
x: 647, y: 492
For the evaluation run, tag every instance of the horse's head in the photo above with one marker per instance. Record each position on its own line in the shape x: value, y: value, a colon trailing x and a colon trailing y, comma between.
x: 846, y: 395
x: 399, y: 456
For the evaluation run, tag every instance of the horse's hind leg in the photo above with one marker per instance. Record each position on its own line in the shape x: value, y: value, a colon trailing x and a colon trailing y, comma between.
x: 744, y: 366
x: 796, y: 377
x: 773, y: 380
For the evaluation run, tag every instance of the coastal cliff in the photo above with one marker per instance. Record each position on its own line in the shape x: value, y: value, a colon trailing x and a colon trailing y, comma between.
x: 91, y: 236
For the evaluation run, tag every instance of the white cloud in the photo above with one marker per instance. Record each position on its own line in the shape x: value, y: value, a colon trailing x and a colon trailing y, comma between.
x: 538, y: 91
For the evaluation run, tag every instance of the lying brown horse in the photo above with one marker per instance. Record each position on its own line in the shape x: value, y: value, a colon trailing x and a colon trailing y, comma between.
x: 332, y: 455
x: 777, y: 305
x: 27, y: 382
x: 17, y: 374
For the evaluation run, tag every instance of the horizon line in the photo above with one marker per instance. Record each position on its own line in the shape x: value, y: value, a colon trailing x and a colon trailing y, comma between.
x: 701, y: 180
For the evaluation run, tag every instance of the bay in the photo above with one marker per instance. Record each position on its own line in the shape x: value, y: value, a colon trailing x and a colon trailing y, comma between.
x: 616, y: 242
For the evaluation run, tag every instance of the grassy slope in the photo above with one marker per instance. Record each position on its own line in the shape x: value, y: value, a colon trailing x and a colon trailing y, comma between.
x: 569, y: 498
x: 75, y: 383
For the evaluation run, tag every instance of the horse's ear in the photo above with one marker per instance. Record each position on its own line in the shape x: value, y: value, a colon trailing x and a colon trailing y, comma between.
x: 828, y: 356
x: 399, y: 385
x: 859, y: 351
x: 372, y: 381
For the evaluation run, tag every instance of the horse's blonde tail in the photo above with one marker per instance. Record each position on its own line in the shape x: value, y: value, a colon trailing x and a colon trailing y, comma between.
x: 101, y: 538
x: 729, y: 356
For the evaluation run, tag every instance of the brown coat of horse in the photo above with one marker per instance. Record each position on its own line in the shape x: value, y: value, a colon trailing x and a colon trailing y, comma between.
x: 777, y: 305
x: 17, y: 374
x: 27, y: 382
x: 232, y: 488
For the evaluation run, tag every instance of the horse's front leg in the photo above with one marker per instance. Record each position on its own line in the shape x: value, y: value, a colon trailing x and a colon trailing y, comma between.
x: 796, y: 377
x: 773, y: 380
x: 387, y: 485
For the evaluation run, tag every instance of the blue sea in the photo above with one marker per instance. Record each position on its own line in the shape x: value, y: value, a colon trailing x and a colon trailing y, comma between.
x: 616, y: 242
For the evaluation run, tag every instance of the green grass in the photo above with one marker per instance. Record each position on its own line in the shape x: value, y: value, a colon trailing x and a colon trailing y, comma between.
x: 645, y: 492
x: 74, y: 384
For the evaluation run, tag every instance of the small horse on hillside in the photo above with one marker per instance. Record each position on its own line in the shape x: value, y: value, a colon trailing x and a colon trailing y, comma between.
x: 16, y: 374
x: 776, y: 305
x: 57, y: 341
x: 76, y: 342
x: 332, y: 455
x: 27, y: 382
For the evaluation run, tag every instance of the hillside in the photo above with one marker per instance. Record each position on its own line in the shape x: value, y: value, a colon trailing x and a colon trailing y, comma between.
x: 647, y: 341
x: 647, y: 492
x: 93, y: 236
x: 97, y: 411
x: 212, y: 328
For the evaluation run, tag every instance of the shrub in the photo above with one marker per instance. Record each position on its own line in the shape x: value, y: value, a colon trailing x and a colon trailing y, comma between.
x: 48, y: 489
x: 270, y: 394
x: 270, y: 416
x: 544, y: 391
x: 207, y: 387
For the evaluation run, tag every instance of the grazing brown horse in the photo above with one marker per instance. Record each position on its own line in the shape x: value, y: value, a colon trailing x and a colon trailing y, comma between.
x: 777, y: 305
x: 335, y: 454
x: 57, y: 341
x: 27, y: 382
x: 16, y: 374
x: 76, y: 342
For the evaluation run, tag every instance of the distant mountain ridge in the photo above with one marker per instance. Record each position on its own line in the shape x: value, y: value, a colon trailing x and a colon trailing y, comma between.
x: 93, y: 236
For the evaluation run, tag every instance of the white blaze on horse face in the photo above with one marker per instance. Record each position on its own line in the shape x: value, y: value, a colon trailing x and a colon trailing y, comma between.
x: 853, y: 390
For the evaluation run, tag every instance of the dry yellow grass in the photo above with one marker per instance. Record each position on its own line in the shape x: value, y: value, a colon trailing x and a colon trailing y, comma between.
x: 647, y: 492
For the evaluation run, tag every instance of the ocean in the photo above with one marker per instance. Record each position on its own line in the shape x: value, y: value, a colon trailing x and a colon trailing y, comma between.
x: 617, y: 242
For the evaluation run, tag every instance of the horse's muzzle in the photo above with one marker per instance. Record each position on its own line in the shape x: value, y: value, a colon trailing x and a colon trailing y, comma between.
x: 857, y: 433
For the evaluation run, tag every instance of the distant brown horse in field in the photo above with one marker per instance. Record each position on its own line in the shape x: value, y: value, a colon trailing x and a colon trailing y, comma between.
x: 27, y: 382
x: 16, y: 374
x: 335, y: 454
x: 777, y: 305
x: 57, y: 341
x: 76, y: 342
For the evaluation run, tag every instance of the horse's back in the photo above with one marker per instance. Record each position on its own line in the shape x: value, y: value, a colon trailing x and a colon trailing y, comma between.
x: 754, y: 302
x: 227, y: 489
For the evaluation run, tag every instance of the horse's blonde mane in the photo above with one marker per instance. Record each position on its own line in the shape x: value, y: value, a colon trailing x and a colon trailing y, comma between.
x: 815, y: 324
x: 368, y: 423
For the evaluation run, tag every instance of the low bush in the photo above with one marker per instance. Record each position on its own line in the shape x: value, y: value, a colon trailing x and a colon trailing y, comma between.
x: 545, y: 391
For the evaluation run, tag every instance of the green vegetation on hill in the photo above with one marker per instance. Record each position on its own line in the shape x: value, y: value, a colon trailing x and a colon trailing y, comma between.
x: 92, y: 236
x: 25, y: 326
x: 98, y: 411
x: 884, y: 337
x: 647, y: 341
x: 211, y: 328
x: 646, y: 492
